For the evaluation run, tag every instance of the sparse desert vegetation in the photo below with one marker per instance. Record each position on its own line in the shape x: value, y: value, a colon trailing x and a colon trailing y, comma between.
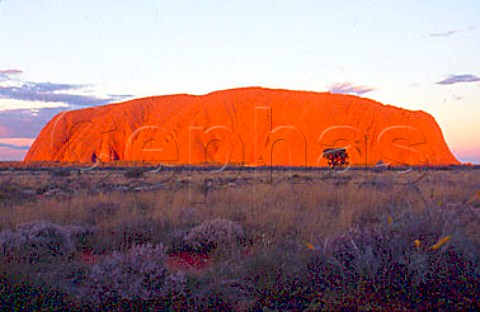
x: 298, y: 240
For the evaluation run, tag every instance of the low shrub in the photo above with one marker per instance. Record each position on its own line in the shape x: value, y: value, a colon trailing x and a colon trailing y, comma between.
x: 138, y: 273
x: 213, y: 234
x: 130, y: 232
x: 408, y: 262
x: 134, y: 174
x: 61, y: 173
x: 82, y: 236
x: 38, y: 241
x: 43, y: 241
x: 7, y: 241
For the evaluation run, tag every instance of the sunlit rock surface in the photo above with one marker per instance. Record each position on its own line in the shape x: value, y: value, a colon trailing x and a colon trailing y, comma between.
x: 250, y: 126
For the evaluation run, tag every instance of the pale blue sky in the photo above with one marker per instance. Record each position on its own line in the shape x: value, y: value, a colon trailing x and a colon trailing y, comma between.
x: 104, y: 51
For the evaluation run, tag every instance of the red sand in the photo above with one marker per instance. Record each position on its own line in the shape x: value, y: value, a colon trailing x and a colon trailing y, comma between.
x: 254, y: 126
x: 187, y: 261
x: 88, y: 257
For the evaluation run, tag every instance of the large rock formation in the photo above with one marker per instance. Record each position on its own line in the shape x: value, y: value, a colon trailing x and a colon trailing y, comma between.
x: 251, y: 126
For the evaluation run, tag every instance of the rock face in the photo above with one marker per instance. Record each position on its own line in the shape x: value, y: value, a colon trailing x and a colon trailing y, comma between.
x: 250, y: 126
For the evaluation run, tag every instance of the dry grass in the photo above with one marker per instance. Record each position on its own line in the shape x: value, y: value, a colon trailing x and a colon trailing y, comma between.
x: 303, y: 241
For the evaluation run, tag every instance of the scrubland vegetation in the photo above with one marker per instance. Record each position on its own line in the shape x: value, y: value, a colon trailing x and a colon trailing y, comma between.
x: 240, y: 241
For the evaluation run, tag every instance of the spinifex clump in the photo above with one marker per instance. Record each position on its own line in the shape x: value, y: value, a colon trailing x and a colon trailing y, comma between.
x: 138, y: 273
x: 213, y: 234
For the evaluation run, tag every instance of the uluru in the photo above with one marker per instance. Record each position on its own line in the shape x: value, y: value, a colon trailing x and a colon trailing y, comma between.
x: 247, y: 126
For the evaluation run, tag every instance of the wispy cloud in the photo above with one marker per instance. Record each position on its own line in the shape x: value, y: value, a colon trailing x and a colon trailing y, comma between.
x: 10, y: 71
x: 17, y: 141
x: 15, y: 147
x: 453, y: 79
x: 17, y: 144
x: 22, y: 123
x: 50, y: 87
x: 48, y: 92
x: 3, y: 131
x: 14, y: 105
x: 119, y: 97
x: 5, y: 74
x: 15, y: 89
x: 451, y: 32
x: 349, y: 88
x: 9, y: 154
x: 26, y: 106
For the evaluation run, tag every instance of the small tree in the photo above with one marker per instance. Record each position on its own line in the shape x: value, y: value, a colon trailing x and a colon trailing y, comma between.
x: 336, y: 157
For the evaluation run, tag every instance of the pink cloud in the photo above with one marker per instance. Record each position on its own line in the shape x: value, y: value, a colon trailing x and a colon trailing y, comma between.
x: 19, y: 142
x: 349, y: 88
x: 3, y: 131
x: 10, y: 71
x: 468, y: 154
x: 10, y: 154
x: 6, y: 74
x: 14, y: 148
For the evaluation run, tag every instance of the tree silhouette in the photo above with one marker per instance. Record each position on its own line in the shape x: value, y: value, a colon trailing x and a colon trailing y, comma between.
x: 336, y: 156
